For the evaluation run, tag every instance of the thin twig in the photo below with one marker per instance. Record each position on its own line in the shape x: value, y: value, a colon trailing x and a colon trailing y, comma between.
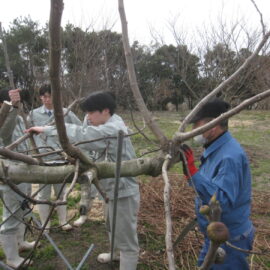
x: 75, y: 178
x: 245, y: 250
x: 225, y: 83
x: 261, y: 16
x: 141, y: 130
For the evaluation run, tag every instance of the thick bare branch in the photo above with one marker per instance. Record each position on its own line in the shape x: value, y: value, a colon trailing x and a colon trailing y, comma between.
x: 133, y: 80
x: 181, y: 137
x: 55, y: 56
x: 18, y: 156
x: 22, y: 173
x: 6, y: 180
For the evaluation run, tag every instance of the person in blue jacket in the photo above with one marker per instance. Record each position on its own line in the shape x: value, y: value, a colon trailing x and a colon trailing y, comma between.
x: 224, y: 170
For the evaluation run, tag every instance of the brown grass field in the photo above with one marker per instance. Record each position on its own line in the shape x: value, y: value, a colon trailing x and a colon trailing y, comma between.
x: 252, y: 129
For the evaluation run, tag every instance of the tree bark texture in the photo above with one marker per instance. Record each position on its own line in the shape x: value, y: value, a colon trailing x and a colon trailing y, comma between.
x: 4, y: 112
x: 23, y: 173
x: 57, y: 7
x: 133, y: 80
x: 168, y: 219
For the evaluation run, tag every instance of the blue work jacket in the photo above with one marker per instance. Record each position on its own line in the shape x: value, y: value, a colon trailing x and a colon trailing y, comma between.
x: 225, y: 170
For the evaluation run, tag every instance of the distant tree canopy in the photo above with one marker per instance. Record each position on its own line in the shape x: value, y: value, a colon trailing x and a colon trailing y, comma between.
x: 95, y: 60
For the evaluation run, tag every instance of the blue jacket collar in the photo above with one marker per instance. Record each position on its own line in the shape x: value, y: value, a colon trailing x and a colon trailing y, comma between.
x: 217, y: 144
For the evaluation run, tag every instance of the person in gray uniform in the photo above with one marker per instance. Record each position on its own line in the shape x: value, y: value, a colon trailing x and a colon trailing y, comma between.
x: 88, y: 194
x: 43, y: 116
x: 12, y: 229
x: 100, y: 107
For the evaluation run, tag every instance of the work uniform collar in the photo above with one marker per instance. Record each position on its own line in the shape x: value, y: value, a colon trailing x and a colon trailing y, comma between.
x: 118, y: 121
x: 114, y: 118
x: 45, y: 110
x: 110, y: 119
x: 217, y: 144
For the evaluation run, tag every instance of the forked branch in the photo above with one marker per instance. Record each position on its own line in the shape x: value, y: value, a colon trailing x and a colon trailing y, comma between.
x: 183, y: 136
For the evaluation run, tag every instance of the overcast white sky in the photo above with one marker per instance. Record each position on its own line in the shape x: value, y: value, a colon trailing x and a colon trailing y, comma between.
x: 141, y: 14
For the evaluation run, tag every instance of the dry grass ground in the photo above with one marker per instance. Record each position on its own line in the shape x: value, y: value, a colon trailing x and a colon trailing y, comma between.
x: 252, y: 129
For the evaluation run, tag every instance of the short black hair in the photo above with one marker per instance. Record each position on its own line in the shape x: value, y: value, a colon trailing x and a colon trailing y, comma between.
x: 98, y: 101
x: 4, y: 95
x: 46, y: 88
x: 212, y: 109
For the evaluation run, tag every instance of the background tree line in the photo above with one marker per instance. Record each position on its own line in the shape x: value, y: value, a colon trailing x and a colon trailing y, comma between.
x: 166, y: 73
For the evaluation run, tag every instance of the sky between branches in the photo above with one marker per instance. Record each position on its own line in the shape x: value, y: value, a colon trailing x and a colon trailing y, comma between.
x: 144, y: 16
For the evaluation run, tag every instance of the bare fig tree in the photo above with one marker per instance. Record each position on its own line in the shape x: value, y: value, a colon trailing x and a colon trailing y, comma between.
x: 30, y: 170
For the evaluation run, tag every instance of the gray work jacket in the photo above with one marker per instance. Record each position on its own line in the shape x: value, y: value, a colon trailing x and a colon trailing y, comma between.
x: 12, y: 129
x: 39, y: 117
x: 105, y: 149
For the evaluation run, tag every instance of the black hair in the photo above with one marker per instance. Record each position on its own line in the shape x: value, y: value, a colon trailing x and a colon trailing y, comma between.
x: 46, y: 88
x: 98, y: 101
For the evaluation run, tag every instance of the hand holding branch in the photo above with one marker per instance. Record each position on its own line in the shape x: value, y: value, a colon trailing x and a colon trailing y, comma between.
x: 15, y: 97
x: 35, y: 130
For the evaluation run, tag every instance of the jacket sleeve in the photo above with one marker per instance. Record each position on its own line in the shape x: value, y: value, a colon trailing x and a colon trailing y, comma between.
x: 8, y: 127
x: 226, y: 183
x: 73, y: 119
x: 78, y: 133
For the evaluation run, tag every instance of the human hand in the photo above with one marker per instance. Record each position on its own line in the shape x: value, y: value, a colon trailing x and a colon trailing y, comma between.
x: 189, y: 168
x: 15, y: 97
x: 35, y: 130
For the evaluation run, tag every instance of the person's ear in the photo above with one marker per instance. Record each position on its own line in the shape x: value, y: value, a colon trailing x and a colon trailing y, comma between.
x: 106, y: 110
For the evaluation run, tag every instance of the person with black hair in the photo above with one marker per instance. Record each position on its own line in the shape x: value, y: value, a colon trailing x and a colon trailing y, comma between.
x: 224, y: 171
x: 104, y: 123
x: 43, y: 116
x: 12, y: 231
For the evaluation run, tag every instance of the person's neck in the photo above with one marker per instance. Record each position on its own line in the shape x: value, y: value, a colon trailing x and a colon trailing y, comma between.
x: 218, y: 136
x: 108, y: 117
x: 50, y: 108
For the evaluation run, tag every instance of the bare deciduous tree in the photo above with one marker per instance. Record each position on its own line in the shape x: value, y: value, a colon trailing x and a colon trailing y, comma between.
x: 170, y: 153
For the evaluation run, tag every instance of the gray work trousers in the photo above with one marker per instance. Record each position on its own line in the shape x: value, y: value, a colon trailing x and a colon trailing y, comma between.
x: 13, y: 203
x: 126, y: 239
x: 45, y: 193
